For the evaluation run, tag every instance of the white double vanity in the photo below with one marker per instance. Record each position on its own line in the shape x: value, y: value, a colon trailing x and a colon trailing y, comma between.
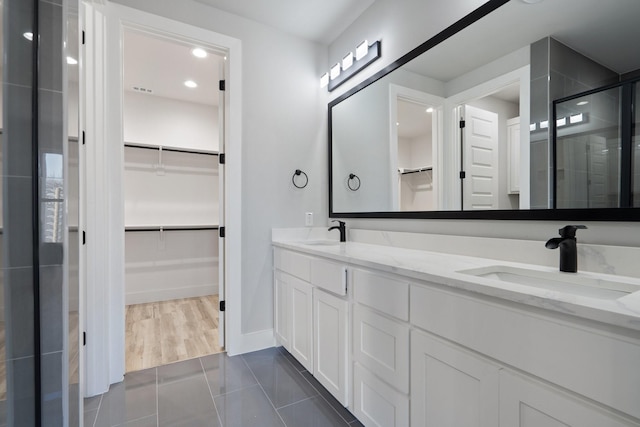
x: 425, y: 338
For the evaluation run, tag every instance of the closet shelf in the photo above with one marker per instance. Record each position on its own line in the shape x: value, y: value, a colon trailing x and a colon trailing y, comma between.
x: 169, y: 148
x: 171, y: 227
x: 405, y: 171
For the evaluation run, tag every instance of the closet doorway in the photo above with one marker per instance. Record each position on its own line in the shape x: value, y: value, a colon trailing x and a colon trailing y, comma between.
x: 173, y: 116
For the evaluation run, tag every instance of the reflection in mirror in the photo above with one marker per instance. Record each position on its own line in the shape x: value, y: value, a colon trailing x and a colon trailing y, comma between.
x: 490, y: 142
x: 588, y: 146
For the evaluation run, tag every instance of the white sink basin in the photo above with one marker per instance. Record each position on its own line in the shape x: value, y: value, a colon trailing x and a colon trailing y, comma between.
x: 320, y: 242
x: 587, y: 285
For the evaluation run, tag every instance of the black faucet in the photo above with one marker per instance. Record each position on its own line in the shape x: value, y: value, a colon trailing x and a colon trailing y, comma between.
x: 568, y: 248
x: 342, y: 228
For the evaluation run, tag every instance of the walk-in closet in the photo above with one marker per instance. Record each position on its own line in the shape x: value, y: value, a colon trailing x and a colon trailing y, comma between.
x: 171, y: 199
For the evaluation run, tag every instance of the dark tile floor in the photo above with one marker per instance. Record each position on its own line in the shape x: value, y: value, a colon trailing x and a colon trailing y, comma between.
x: 264, y: 388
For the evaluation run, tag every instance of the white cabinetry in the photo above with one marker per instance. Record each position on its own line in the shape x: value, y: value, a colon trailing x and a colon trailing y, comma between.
x: 331, y: 334
x: 377, y: 404
x: 282, y: 315
x: 525, y: 402
x: 451, y: 386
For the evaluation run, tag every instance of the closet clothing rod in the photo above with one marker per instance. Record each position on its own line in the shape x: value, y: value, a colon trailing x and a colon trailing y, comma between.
x: 175, y: 150
x: 172, y: 228
x: 429, y: 169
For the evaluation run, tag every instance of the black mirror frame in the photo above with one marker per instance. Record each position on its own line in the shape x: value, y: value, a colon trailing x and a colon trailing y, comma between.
x: 602, y: 214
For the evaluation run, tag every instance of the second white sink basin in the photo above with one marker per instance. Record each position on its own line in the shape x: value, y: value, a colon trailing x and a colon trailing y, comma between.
x: 571, y: 283
x: 320, y: 242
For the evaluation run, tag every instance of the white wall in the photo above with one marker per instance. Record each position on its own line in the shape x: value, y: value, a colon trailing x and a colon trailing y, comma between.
x: 283, y: 129
x: 401, y: 29
x: 155, y: 120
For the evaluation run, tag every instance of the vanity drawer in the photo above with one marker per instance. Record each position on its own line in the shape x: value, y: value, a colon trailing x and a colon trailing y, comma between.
x: 390, y: 296
x: 328, y: 275
x: 382, y: 345
x: 293, y: 263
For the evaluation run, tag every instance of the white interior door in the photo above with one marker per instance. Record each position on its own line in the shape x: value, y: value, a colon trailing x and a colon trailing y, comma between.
x: 480, y: 159
x: 221, y: 206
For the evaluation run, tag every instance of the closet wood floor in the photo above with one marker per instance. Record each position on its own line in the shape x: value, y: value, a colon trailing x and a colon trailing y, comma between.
x: 163, y: 332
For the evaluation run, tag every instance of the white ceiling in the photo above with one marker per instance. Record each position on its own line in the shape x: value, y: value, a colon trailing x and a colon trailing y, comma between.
x: 413, y: 120
x: 163, y: 66
x: 318, y: 20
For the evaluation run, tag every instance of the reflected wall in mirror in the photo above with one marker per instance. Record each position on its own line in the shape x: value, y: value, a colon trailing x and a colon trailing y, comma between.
x: 487, y: 143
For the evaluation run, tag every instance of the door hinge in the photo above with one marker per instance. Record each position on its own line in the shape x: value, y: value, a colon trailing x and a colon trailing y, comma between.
x: 462, y: 124
x: 82, y: 36
x: 222, y: 85
x: 222, y: 232
x: 463, y: 175
x: 84, y: 338
x: 84, y: 238
x: 83, y: 138
x: 223, y: 306
x: 222, y: 158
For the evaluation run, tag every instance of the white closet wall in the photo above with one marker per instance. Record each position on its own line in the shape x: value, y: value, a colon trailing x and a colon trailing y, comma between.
x: 165, y: 190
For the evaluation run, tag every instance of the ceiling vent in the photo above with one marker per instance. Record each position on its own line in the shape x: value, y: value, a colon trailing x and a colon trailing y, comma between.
x: 141, y: 89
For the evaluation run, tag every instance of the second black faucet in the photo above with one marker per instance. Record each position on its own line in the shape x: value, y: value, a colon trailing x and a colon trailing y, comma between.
x: 343, y: 230
x: 568, y: 247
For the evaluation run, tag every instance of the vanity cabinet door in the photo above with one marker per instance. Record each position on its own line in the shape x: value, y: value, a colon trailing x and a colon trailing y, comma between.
x: 451, y: 386
x: 525, y: 402
x: 282, y: 298
x: 301, y: 306
x: 331, y: 335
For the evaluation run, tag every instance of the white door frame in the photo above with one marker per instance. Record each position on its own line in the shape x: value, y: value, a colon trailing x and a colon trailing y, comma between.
x: 452, y: 157
x: 104, y: 211
x: 400, y: 92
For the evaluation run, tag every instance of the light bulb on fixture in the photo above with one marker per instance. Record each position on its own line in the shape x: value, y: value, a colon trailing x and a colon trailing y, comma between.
x: 361, y: 50
x: 28, y: 35
x: 577, y: 118
x: 199, y: 52
x: 335, y: 71
x: 347, y: 61
x: 324, y: 80
x: 190, y: 84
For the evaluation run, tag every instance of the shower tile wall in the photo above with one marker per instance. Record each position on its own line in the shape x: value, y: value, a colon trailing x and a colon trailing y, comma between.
x: 557, y: 71
x: 18, y: 246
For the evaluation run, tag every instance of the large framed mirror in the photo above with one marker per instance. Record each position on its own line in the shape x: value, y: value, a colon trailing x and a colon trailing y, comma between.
x: 481, y: 121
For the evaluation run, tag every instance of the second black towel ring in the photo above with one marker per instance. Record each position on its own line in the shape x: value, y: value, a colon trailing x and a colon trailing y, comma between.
x: 355, y: 186
x: 298, y: 172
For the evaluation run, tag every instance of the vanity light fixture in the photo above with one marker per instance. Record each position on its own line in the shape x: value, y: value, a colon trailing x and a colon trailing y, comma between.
x: 361, y: 50
x: 334, y: 72
x: 324, y: 80
x: 72, y: 61
x: 350, y: 66
x: 544, y: 124
x: 347, y: 61
x: 577, y: 118
x: 561, y: 122
x: 533, y: 127
x: 191, y: 84
x: 199, y: 52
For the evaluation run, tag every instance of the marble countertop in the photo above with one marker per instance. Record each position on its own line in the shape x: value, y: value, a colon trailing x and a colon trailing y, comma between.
x: 445, y: 269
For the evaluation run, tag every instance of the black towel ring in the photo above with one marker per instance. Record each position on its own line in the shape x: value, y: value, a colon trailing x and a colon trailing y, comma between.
x: 352, y: 177
x: 298, y: 172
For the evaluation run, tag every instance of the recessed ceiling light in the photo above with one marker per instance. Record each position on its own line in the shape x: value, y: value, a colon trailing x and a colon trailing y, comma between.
x: 199, y: 52
x: 71, y: 61
x: 429, y: 110
x: 581, y: 103
x: 28, y: 35
x: 190, y: 84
